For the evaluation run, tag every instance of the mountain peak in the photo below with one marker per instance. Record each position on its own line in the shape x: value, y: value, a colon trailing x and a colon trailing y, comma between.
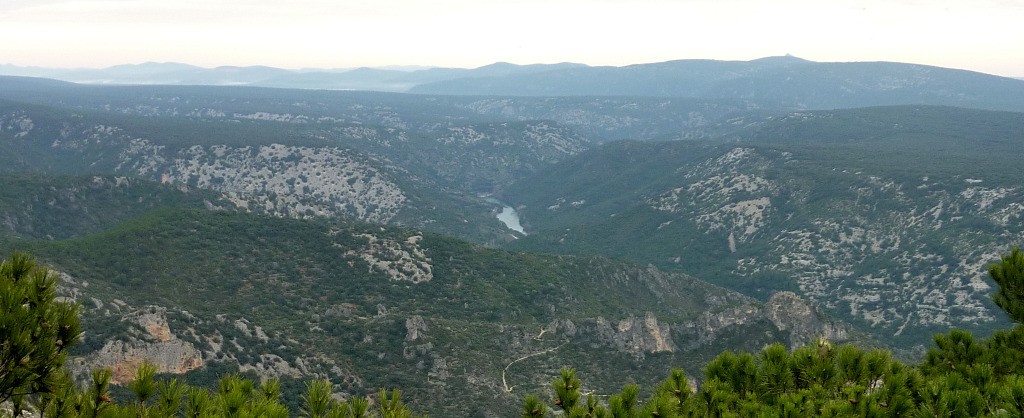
x: 498, y: 65
x: 783, y: 59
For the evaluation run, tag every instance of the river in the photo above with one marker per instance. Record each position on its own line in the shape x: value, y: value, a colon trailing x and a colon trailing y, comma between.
x: 508, y: 216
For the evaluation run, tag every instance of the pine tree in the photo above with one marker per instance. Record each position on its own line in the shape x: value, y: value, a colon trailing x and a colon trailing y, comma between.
x: 37, y: 330
x: 97, y: 399
x: 1009, y: 274
x: 144, y: 387
x: 567, y: 389
x: 169, y: 396
x: 623, y: 405
x: 775, y: 374
x: 676, y: 386
x: 534, y: 408
x: 317, y: 401
x: 392, y: 406
x: 956, y: 351
x: 198, y: 403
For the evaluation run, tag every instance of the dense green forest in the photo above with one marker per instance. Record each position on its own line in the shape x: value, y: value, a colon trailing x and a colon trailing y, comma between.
x: 820, y: 202
x: 340, y: 297
x: 960, y: 376
x: 251, y: 240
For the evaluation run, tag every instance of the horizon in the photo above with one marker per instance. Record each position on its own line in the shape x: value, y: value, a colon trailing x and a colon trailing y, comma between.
x: 980, y: 35
x: 414, y: 67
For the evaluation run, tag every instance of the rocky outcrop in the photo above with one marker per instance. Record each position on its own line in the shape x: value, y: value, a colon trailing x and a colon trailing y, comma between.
x: 17, y: 123
x: 799, y: 321
x: 643, y: 335
x: 707, y: 327
x: 634, y: 335
x: 803, y: 321
x: 154, y: 343
x: 282, y: 180
x: 272, y: 366
x: 173, y: 356
x: 415, y: 328
x: 785, y: 315
x: 153, y: 320
x: 399, y: 260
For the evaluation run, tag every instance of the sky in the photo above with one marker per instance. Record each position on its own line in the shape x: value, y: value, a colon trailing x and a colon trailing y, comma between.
x: 979, y: 35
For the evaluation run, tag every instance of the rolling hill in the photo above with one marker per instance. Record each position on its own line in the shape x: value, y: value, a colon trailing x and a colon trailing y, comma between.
x: 887, y: 216
x: 208, y: 292
x: 352, y: 235
x: 325, y: 168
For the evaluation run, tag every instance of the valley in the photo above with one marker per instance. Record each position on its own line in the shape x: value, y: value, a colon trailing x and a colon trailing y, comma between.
x: 837, y: 222
x: 472, y: 240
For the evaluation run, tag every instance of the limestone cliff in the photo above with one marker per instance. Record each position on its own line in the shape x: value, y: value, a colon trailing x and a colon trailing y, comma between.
x: 797, y: 321
x: 157, y: 345
x: 803, y: 321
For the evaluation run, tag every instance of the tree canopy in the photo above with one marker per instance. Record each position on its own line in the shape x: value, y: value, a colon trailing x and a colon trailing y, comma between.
x: 1009, y: 274
x: 961, y: 376
x: 37, y: 329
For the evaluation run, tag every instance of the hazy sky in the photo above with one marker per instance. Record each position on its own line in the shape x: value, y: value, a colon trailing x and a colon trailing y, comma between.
x: 982, y: 35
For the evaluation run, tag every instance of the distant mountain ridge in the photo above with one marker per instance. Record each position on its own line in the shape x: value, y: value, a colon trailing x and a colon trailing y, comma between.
x: 363, y: 78
x: 786, y: 80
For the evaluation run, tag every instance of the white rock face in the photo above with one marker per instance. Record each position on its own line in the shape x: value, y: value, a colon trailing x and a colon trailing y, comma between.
x: 403, y: 261
x: 124, y: 358
x: 932, y: 279
x: 547, y: 141
x: 718, y: 196
x: 637, y: 336
x: 158, y: 345
x: 272, y: 366
x: 415, y: 328
x: 788, y: 312
x: 16, y: 123
x: 290, y: 181
x: 275, y: 117
x: 149, y: 158
x: 746, y: 216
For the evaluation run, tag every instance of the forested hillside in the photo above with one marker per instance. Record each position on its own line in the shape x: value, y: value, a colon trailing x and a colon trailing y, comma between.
x: 352, y: 236
x: 886, y: 216
x: 960, y: 376
x: 371, y: 307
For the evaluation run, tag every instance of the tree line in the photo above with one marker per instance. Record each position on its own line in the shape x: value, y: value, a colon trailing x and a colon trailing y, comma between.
x: 960, y: 376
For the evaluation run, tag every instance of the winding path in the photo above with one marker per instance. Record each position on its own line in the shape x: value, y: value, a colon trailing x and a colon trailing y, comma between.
x: 503, y: 372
